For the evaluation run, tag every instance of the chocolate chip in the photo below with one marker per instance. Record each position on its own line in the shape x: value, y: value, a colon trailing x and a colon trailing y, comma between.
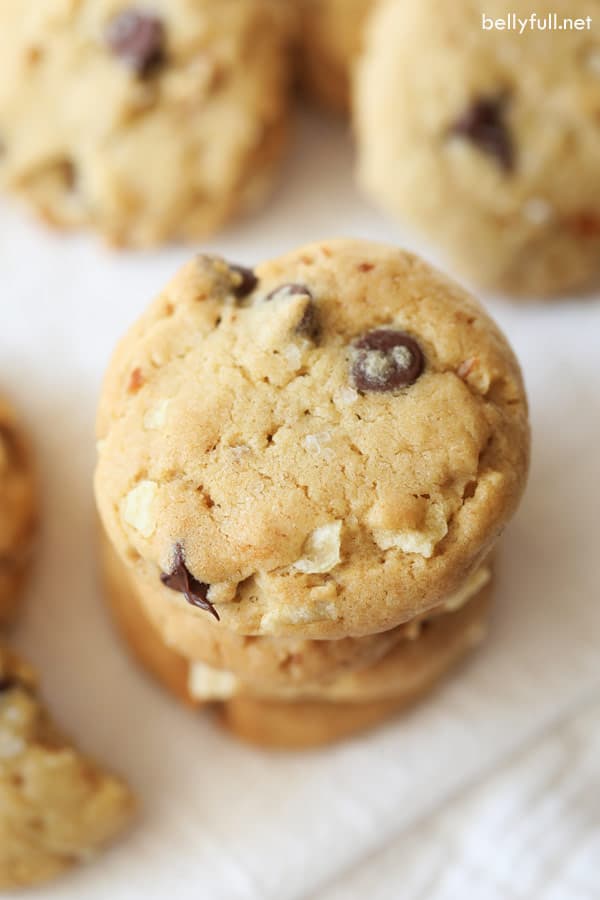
x: 181, y: 579
x: 289, y: 290
x: 137, y: 39
x: 7, y: 684
x: 484, y: 125
x: 385, y: 360
x: 244, y: 281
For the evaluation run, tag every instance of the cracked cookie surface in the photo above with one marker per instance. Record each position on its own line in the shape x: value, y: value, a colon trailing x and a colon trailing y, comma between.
x: 306, y: 501
x: 18, y: 511
x: 56, y: 806
x: 492, y: 150
x: 148, y: 123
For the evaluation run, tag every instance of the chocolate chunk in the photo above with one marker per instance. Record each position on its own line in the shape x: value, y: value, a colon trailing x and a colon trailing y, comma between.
x: 181, y: 579
x: 385, y: 360
x: 244, y: 281
x: 137, y: 38
x: 484, y: 125
x: 289, y: 290
x: 7, y: 684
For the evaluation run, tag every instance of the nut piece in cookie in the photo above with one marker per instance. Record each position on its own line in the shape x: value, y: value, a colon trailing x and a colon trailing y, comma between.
x: 57, y: 807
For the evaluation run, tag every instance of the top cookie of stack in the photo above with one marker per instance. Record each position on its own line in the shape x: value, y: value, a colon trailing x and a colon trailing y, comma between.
x: 327, y: 446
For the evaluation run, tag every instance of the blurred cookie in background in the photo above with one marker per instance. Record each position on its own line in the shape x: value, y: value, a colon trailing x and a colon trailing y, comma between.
x: 18, y: 511
x: 331, y: 33
x: 149, y: 124
x: 486, y: 140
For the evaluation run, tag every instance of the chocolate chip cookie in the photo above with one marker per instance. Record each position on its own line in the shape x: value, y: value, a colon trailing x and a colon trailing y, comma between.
x: 270, y: 665
x: 308, y: 714
x: 492, y: 148
x: 150, y: 123
x: 18, y: 511
x: 57, y: 807
x: 323, y: 447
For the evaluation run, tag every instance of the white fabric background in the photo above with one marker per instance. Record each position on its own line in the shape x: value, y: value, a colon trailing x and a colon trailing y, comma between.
x: 224, y: 822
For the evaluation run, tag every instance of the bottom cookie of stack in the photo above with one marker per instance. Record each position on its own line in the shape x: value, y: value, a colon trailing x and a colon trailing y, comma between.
x: 313, y: 713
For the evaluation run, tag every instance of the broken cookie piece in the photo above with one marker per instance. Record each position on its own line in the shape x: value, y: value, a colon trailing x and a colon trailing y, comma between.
x: 57, y: 807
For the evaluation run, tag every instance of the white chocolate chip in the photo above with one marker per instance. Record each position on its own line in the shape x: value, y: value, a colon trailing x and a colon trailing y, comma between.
x: 206, y: 683
x: 469, y: 589
x: 239, y: 450
x: 156, y: 416
x: 321, y: 551
x: 538, y: 211
x: 317, y: 444
x: 422, y: 541
x: 345, y: 396
x: 137, y: 508
x: 222, y: 592
x: 297, y: 615
x: 10, y: 744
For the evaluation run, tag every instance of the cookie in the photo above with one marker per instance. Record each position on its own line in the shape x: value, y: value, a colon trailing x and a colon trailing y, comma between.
x: 491, y: 148
x: 354, y: 703
x: 277, y: 664
x: 330, y: 38
x: 325, y: 447
x: 18, y: 511
x: 405, y: 671
x: 149, y: 123
x: 57, y: 807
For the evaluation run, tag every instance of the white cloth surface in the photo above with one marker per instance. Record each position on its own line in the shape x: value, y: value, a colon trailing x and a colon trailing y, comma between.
x: 221, y: 821
x: 530, y: 831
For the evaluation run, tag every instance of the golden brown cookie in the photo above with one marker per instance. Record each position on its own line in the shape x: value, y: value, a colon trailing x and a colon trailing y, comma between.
x: 18, y: 511
x: 149, y: 123
x: 57, y: 807
x: 279, y: 725
x: 324, y: 712
x: 277, y: 664
x: 331, y: 33
x: 492, y: 148
x: 324, y: 447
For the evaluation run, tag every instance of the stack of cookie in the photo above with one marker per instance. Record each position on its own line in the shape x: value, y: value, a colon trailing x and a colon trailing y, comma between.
x: 303, y: 470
